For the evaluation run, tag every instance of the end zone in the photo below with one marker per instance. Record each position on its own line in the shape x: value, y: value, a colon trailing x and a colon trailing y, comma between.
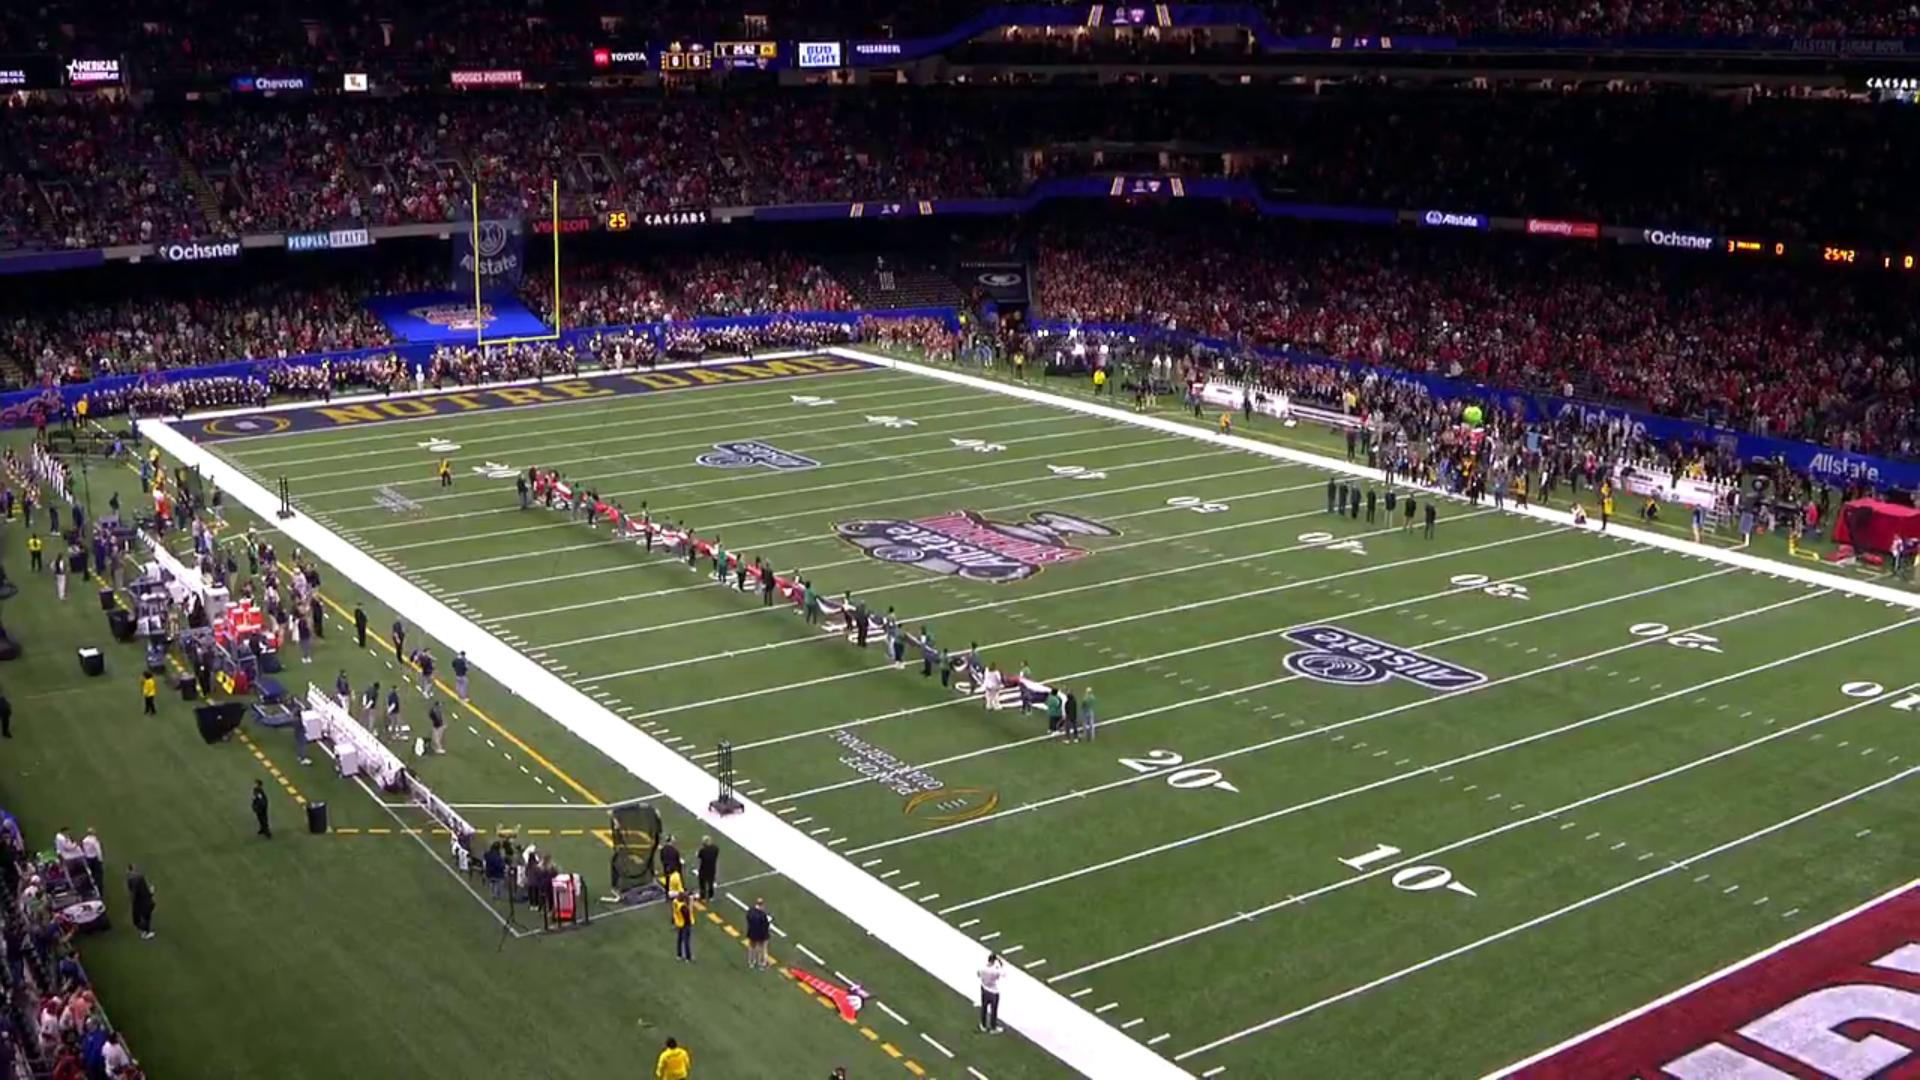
x: 1841, y: 999
x: 366, y: 409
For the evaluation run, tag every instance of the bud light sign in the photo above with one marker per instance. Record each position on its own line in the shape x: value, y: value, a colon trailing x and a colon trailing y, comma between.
x: 819, y: 54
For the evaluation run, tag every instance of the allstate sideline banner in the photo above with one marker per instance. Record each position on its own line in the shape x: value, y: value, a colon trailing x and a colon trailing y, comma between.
x: 426, y: 318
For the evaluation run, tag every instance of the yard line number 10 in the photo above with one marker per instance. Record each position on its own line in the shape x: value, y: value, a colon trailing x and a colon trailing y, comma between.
x: 1425, y: 877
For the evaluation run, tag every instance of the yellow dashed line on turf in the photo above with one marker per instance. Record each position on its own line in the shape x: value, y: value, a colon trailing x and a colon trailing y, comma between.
x: 605, y: 836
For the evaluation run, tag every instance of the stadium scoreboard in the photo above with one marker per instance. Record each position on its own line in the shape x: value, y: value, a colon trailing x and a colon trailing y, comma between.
x: 746, y: 54
x: 700, y: 56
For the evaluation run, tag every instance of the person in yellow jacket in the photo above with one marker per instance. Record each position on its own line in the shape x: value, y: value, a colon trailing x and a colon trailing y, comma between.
x: 149, y: 689
x: 445, y: 472
x: 35, y: 547
x: 673, y: 1063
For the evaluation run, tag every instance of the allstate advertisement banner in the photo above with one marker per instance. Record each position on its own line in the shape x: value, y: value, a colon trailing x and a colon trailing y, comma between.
x: 495, y: 250
x: 449, y: 317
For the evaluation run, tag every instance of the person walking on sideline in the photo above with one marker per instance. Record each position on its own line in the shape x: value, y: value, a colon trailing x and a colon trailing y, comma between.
x: 674, y: 1062
x: 148, y: 690
x: 707, y: 866
x: 460, y: 674
x: 360, y: 625
x: 683, y: 927
x: 437, y: 726
x: 34, y: 548
x: 1088, y: 722
x: 141, y: 895
x: 60, y: 578
x: 990, y: 994
x: 260, y: 810
x: 759, y: 928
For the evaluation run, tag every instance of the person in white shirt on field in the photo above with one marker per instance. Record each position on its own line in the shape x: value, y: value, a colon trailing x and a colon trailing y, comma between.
x: 990, y: 685
x: 990, y: 993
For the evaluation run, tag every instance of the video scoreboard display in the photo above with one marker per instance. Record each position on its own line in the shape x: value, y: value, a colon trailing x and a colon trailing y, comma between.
x: 700, y: 56
x: 746, y: 54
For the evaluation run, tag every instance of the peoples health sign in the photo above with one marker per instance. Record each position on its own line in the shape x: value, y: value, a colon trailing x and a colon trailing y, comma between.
x: 334, y: 240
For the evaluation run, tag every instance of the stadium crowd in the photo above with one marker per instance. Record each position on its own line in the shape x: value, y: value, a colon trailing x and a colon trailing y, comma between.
x: 51, y: 1023
x: 1790, y: 354
x: 94, y: 173
x: 216, y: 37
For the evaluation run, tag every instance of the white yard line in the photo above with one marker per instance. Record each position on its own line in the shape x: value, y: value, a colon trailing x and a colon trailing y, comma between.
x: 1049, y: 1020
x: 1118, y: 666
x: 1238, y: 691
x: 828, y: 538
x: 676, y: 511
x: 319, y: 438
x: 1645, y: 537
x: 462, y: 432
x: 923, y: 581
x: 1240, y: 918
x: 1119, y: 620
x: 1706, y: 980
x: 742, y: 474
x: 1410, y: 774
x: 709, y: 528
x: 1559, y: 912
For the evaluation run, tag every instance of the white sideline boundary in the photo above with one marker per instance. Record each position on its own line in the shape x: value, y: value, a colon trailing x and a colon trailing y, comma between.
x: 1076, y: 1037
x: 1647, y: 538
x: 1705, y: 980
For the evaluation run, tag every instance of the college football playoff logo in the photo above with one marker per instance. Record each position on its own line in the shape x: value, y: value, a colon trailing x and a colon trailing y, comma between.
x: 967, y: 544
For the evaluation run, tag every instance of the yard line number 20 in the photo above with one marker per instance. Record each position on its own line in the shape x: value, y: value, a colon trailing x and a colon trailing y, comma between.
x: 1187, y: 779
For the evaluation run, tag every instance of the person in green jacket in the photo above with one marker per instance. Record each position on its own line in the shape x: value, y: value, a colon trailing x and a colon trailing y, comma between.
x: 1056, y: 710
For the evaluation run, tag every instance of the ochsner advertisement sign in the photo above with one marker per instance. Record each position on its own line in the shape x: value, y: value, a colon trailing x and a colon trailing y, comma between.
x: 198, y: 251
x: 1685, y: 241
x: 1448, y: 219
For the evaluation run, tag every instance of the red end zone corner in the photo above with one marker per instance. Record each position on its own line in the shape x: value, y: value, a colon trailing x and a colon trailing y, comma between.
x: 1841, y: 1001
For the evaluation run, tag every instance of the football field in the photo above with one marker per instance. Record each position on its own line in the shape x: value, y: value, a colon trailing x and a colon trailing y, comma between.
x: 1359, y: 798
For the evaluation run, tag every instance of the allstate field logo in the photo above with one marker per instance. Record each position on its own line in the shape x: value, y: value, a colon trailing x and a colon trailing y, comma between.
x: 967, y: 544
x: 748, y: 453
x: 1344, y: 658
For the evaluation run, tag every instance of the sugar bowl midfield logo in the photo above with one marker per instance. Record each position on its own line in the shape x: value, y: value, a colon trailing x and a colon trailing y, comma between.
x: 746, y: 453
x: 968, y: 544
x: 1347, y: 659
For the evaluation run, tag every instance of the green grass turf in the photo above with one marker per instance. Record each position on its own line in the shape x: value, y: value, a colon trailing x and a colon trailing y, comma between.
x: 1595, y: 756
x: 327, y: 956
